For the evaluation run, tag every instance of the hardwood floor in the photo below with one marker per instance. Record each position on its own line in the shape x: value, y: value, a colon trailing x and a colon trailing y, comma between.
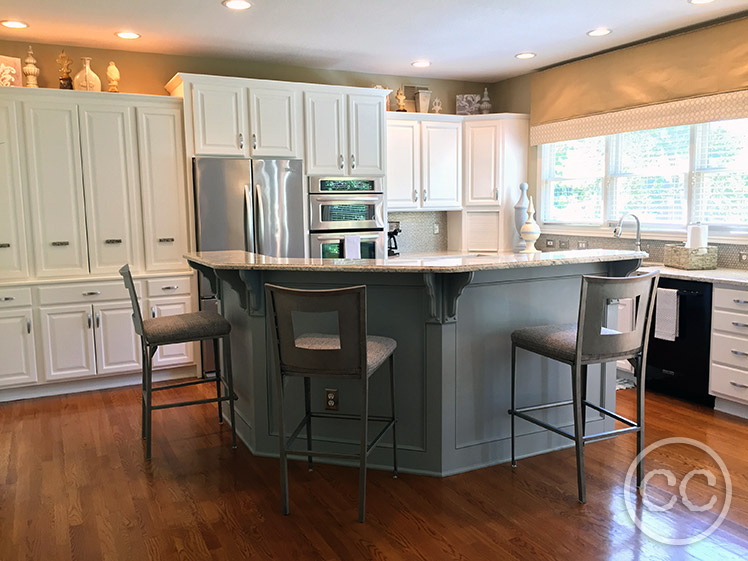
x: 74, y: 485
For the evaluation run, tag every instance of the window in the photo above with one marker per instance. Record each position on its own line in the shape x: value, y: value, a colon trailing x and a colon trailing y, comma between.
x: 669, y: 177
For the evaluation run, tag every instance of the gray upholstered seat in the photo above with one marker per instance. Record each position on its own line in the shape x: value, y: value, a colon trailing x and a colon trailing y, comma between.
x: 378, y: 349
x: 557, y: 341
x: 185, y: 327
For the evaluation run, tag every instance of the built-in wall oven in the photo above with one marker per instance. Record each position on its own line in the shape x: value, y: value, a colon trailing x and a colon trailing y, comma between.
x: 347, y: 207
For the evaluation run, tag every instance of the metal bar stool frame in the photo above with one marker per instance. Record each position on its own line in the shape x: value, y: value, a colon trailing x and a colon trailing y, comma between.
x: 148, y: 350
x: 596, y: 292
x: 350, y: 304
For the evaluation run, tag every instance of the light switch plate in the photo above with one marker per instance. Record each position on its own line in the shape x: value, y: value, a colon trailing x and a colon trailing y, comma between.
x: 582, y: 244
x: 563, y: 244
x: 550, y: 243
x: 743, y: 257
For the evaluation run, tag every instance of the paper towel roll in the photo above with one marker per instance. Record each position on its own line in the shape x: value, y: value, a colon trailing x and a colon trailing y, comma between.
x: 698, y: 235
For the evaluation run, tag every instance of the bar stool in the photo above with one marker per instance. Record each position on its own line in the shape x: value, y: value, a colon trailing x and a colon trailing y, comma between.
x: 182, y: 328
x: 350, y: 354
x: 592, y: 344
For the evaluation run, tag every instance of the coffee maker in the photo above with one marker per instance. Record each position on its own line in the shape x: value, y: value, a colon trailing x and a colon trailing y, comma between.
x: 394, y: 230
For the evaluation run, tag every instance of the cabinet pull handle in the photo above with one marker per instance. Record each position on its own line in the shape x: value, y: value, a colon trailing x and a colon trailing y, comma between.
x: 91, y: 293
x: 496, y: 193
x: 254, y: 141
x: 739, y: 301
x: 60, y: 244
x: 98, y: 320
x: 7, y: 298
x: 28, y: 326
x: 738, y: 385
x: 425, y: 195
x: 353, y: 161
x: 341, y: 162
x: 166, y: 240
x: 4, y: 245
x: 739, y: 353
x: 172, y: 287
x: 415, y: 195
x: 738, y: 324
x: 113, y: 241
x: 241, y: 140
x: 89, y: 321
x: 153, y: 312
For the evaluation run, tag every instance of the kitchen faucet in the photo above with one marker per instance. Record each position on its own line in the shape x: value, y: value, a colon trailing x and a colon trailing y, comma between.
x: 619, y: 230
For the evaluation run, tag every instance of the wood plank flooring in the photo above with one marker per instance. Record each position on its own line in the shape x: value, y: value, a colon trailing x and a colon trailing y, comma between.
x: 74, y: 486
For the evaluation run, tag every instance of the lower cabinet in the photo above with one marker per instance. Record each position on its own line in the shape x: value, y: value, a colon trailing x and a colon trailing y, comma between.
x: 68, y: 341
x: 17, y: 349
x: 117, y: 345
x: 172, y: 355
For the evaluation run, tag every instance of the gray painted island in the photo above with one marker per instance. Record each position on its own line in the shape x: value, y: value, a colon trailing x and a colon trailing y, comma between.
x: 451, y: 316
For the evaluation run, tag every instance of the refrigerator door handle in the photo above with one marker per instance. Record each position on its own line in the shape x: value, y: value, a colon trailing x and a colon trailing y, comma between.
x: 249, y: 219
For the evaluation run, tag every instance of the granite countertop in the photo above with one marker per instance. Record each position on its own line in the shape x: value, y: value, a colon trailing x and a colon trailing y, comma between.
x: 447, y: 262
x: 732, y: 277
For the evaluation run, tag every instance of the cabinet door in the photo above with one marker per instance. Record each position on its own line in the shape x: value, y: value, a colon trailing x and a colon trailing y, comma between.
x: 273, y: 122
x: 13, y: 259
x: 164, y: 188
x: 219, y: 117
x: 172, y: 355
x: 482, y: 231
x: 18, y: 364
x: 326, y: 152
x: 111, y: 185
x: 366, y: 125
x: 117, y: 345
x: 441, y: 148
x: 482, y: 150
x: 68, y: 341
x: 403, y: 180
x: 56, y: 188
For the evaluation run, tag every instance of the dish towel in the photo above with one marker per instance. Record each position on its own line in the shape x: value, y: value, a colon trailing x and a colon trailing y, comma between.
x: 352, y: 247
x: 668, y: 312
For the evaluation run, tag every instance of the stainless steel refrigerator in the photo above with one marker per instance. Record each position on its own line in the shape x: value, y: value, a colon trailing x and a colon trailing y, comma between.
x: 250, y: 205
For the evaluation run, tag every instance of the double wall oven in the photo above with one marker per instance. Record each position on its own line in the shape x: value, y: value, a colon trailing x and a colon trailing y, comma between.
x: 341, y: 207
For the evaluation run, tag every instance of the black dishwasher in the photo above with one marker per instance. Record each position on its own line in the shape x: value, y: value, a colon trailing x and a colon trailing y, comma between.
x: 681, y: 368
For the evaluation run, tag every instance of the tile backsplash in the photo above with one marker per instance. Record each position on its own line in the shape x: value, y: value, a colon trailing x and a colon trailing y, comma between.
x: 728, y: 254
x: 418, y: 231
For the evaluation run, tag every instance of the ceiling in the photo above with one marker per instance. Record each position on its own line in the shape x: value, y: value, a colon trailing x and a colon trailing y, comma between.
x: 472, y: 40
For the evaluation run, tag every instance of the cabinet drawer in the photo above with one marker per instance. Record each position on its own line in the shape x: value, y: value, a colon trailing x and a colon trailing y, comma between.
x: 731, y: 299
x: 730, y: 350
x: 168, y: 286
x: 736, y: 324
x: 85, y: 292
x: 12, y: 297
x: 729, y: 382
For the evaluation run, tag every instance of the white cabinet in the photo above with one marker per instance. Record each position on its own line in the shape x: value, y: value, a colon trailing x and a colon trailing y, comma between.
x: 441, y: 157
x: 403, y: 164
x: 163, y: 187
x: 178, y: 354
x: 56, y: 188
x: 68, y: 341
x: 481, y: 163
x: 17, y: 348
x: 728, y: 377
x: 220, y: 117
x: 273, y: 114
x: 111, y: 185
x: 13, y: 257
x: 117, y: 345
x: 345, y: 133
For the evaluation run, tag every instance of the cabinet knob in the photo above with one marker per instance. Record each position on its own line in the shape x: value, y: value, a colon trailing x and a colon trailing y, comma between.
x: 254, y: 141
x: 341, y: 162
x: 241, y: 140
x: 166, y: 240
x: 60, y: 244
x: 353, y: 161
x: 98, y: 320
x: 153, y: 312
x: 415, y: 195
x: 28, y: 325
x: 496, y: 193
x: 89, y: 320
x: 425, y: 195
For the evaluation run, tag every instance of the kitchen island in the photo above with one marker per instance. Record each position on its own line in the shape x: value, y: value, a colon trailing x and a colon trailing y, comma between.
x: 451, y: 316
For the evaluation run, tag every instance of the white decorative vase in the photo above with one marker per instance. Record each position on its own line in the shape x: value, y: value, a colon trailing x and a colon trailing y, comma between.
x: 422, y: 101
x: 485, y: 103
x: 530, y: 231
x: 520, y: 216
x: 86, y: 79
x: 30, y: 70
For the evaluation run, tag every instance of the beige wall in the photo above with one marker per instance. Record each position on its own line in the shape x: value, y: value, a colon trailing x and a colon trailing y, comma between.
x: 147, y: 73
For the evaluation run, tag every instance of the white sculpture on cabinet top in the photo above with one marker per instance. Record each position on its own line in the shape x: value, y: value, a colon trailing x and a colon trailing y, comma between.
x: 520, y: 215
x: 30, y: 70
x: 530, y: 231
x: 112, y: 74
x: 86, y: 79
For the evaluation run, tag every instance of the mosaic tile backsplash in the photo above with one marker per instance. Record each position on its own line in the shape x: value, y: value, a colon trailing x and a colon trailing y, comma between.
x: 728, y: 254
x: 418, y: 231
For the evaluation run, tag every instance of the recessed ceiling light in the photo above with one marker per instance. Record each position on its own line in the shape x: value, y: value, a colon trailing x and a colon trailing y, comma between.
x: 599, y: 32
x: 525, y: 55
x: 697, y: 2
x: 237, y: 4
x: 127, y: 35
x: 421, y: 63
x: 14, y: 24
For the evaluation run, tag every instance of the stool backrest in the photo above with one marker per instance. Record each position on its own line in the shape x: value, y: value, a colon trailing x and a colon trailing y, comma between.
x: 597, y: 292
x: 350, y: 306
x: 137, y: 318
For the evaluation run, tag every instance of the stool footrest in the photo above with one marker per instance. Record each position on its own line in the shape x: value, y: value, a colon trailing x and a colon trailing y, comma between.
x: 541, y: 424
x: 195, y: 402
x: 544, y: 406
x: 609, y: 434
x: 609, y: 413
x: 345, y: 416
x: 183, y: 384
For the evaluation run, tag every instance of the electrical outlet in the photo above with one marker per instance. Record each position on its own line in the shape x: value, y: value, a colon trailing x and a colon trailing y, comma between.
x: 582, y: 244
x: 550, y: 243
x: 436, y: 228
x: 744, y: 256
x: 331, y: 399
x: 563, y: 244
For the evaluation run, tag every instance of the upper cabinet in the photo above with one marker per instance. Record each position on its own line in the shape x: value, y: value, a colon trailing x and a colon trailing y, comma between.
x: 403, y: 164
x: 13, y: 259
x: 441, y: 155
x: 220, y: 116
x: 273, y: 115
x: 345, y: 133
